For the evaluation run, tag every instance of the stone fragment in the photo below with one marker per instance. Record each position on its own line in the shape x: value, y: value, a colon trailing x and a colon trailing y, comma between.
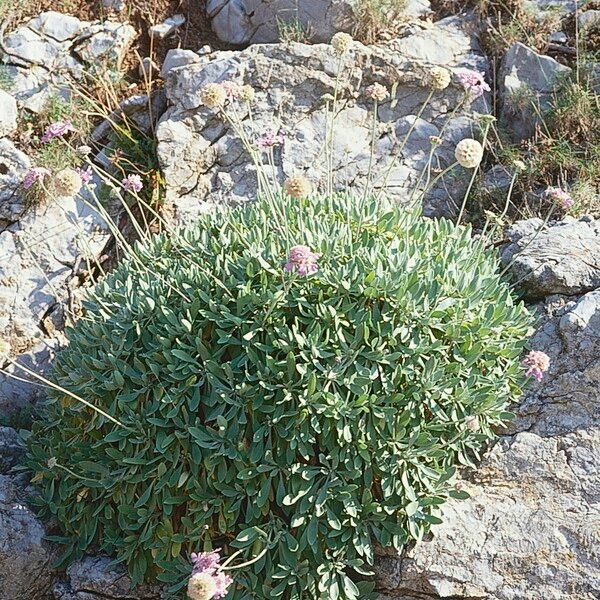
x: 167, y: 27
x: 527, y: 80
x: 561, y: 258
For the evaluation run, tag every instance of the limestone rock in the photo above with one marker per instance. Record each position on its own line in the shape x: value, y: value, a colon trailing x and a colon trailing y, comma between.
x: 205, y: 164
x: 8, y: 114
x: 561, y: 258
x: 94, y: 578
x: 259, y: 21
x: 527, y: 80
x: 531, y: 528
x: 25, y: 556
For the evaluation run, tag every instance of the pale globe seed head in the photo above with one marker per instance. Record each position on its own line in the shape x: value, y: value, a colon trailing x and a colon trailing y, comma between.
x: 468, y: 153
x: 201, y: 586
x: 298, y: 186
x: 340, y: 42
x: 67, y: 183
x: 213, y: 95
x: 439, y: 78
x: 246, y: 93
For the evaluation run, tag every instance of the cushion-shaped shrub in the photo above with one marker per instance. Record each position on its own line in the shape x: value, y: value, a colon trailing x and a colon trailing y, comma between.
x: 314, y: 414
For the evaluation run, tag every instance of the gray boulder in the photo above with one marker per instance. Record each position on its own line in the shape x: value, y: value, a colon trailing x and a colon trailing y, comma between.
x: 560, y: 258
x: 25, y: 556
x: 527, y: 80
x: 205, y: 164
x: 260, y: 21
x: 531, y: 527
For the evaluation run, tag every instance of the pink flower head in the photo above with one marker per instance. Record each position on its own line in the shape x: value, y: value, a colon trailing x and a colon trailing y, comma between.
x: 57, y: 129
x: 222, y: 581
x: 270, y: 139
x: 85, y: 174
x: 537, y: 364
x: 302, y: 259
x: 232, y: 89
x: 474, y: 83
x: 209, y: 563
x: 560, y: 197
x: 206, y: 562
x: 132, y: 183
x: 34, y: 175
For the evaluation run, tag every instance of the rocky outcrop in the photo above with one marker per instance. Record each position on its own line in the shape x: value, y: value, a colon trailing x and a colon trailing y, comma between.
x: 259, y: 21
x: 205, y: 164
x: 531, y: 527
x: 527, y: 80
x: 561, y: 258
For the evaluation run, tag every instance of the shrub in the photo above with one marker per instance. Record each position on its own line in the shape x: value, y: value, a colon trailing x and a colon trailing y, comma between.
x: 311, y: 415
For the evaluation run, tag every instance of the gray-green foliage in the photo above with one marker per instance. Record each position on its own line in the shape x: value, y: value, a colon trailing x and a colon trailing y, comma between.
x: 315, y: 415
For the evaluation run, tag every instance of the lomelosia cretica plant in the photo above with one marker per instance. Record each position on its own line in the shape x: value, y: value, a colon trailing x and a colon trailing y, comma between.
x: 298, y: 380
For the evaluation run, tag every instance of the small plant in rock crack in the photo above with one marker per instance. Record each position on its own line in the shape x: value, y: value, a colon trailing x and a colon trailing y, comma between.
x: 293, y: 382
x: 299, y: 380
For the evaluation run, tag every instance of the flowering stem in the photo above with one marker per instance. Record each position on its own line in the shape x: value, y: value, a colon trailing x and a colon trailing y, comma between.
x: 244, y: 564
x: 68, y: 393
x: 330, y: 135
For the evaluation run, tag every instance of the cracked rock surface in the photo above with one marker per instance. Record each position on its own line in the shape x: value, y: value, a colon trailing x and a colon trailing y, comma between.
x: 204, y: 163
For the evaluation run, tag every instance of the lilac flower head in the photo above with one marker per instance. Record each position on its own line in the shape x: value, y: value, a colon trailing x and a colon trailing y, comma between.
x: 560, y: 197
x: 537, y: 364
x: 222, y: 581
x: 132, y: 183
x: 208, y: 564
x: 474, y: 83
x: 57, y: 129
x: 232, y: 89
x: 85, y: 174
x: 303, y: 260
x: 270, y: 139
x: 34, y: 175
x: 206, y: 561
